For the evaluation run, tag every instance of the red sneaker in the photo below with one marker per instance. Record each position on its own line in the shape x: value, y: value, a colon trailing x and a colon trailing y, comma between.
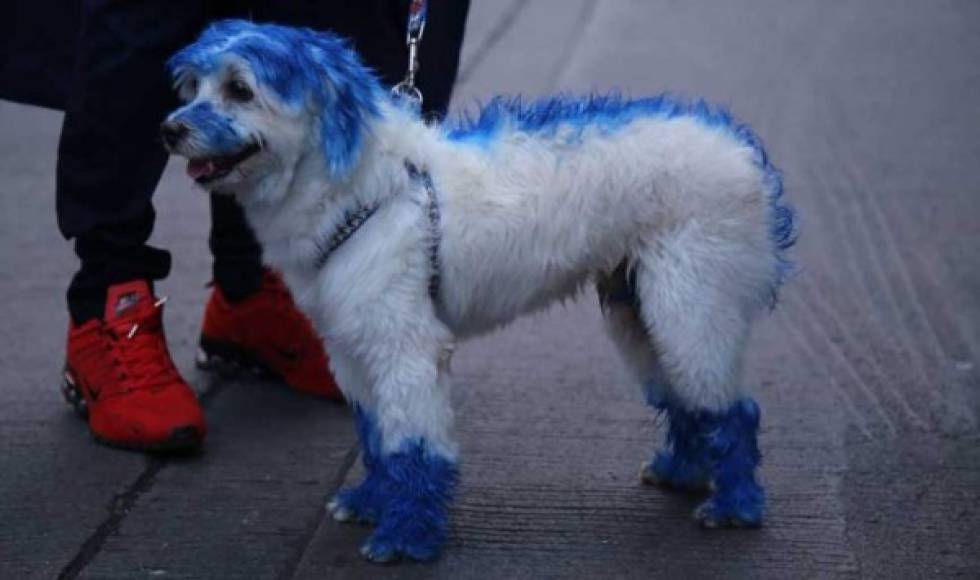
x: 120, y: 376
x: 266, y: 332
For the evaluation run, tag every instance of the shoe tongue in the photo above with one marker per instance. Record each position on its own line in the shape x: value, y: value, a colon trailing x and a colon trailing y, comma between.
x: 123, y: 299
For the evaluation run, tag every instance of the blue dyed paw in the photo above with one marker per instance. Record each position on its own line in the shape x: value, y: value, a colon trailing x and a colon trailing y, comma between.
x: 743, y: 509
x: 388, y: 545
x: 669, y: 470
x: 356, y: 504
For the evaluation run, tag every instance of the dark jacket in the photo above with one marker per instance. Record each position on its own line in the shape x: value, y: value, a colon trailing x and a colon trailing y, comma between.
x: 37, y: 45
x: 38, y: 39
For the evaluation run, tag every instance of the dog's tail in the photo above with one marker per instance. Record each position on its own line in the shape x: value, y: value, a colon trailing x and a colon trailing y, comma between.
x: 782, y: 221
x: 782, y: 217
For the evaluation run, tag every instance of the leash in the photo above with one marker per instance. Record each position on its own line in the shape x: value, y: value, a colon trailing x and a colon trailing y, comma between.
x: 328, y: 243
x: 406, y: 90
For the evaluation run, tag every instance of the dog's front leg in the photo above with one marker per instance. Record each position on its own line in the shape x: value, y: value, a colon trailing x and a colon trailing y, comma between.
x: 412, y: 458
x: 362, y: 503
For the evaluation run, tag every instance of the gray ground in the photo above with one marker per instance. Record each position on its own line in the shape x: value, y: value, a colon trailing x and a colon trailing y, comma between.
x: 868, y: 370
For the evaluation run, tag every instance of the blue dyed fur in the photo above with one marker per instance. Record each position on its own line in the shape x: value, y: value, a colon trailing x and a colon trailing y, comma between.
x: 417, y: 488
x: 304, y: 68
x: 407, y: 493
x: 731, y: 446
x: 218, y: 130
x: 609, y: 113
x: 366, y: 501
x: 717, y: 448
x: 683, y: 463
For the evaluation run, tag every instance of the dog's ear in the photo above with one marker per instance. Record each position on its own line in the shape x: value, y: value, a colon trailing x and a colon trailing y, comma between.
x: 345, y: 98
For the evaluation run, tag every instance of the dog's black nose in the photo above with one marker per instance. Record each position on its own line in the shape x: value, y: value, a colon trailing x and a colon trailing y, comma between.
x: 172, y: 133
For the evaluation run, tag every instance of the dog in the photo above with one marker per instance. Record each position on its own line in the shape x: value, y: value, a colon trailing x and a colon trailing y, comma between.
x: 400, y: 237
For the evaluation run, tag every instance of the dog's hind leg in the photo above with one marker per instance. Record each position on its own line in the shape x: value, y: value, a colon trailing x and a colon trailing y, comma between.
x: 698, y: 291
x: 680, y: 464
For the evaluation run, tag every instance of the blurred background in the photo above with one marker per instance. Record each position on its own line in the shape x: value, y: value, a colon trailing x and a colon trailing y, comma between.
x: 867, y: 371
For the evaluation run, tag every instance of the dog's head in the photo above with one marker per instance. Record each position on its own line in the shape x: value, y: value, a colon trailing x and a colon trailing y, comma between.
x: 259, y: 97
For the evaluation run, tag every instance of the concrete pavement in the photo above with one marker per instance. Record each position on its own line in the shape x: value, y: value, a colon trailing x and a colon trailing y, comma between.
x: 867, y: 372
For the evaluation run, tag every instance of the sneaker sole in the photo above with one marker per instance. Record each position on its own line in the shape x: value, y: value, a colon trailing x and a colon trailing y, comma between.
x: 226, y: 358
x: 73, y: 395
x: 230, y: 360
x: 181, y: 440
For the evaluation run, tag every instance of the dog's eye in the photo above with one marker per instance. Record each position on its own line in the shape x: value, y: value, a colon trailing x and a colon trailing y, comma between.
x: 237, y: 90
x: 187, y: 89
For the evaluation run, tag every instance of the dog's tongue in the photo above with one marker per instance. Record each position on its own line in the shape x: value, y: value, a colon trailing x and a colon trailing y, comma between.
x: 198, y: 168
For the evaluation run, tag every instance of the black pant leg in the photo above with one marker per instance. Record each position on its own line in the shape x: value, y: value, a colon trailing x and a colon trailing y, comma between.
x: 237, y: 266
x: 439, y: 56
x: 377, y: 29
x: 109, y: 155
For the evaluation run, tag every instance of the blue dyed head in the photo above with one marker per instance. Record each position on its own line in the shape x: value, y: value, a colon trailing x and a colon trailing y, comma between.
x: 272, y: 88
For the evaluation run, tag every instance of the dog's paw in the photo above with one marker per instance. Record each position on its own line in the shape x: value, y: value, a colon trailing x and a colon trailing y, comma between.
x: 355, y: 504
x: 667, y: 471
x: 339, y: 511
x: 379, y: 552
x: 744, y: 510
x: 386, y: 546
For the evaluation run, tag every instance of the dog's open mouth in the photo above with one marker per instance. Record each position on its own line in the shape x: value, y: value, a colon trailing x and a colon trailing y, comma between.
x: 205, y: 169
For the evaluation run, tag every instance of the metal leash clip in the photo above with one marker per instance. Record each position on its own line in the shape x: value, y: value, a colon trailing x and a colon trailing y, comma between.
x: 406, y: 90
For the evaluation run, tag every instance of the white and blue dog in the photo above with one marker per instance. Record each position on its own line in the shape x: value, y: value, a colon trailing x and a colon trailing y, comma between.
x: 399, y: 237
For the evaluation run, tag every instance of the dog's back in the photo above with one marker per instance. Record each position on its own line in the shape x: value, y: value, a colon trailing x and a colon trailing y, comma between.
x: 537, y: 198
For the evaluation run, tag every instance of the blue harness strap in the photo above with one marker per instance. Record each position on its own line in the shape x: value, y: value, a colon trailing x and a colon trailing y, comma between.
x: 327, y: 243
x: 353, y: 220
x: 435, y: 227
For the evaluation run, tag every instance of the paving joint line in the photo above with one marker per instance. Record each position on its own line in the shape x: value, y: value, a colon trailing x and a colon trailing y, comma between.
x: 123, y: 503
x: 322, y: 516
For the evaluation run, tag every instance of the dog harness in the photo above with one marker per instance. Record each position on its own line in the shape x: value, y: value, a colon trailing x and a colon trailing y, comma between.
x: 353, y: 220
x: 327, y: 244
x: 435, y: 219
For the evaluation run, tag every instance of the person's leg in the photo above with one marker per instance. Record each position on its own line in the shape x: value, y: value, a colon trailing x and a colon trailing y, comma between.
x: 109, y: 154
x: 111, y: 254
x: 118, y: 371
x: 441, y: 45
x: 245, y: 320
x: 237, y: 266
